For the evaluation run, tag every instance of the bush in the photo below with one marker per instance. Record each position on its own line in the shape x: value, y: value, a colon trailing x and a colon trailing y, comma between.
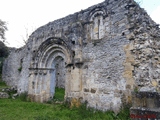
x: 3, y: 50
x: 3, y: 54
x: 2, y: 83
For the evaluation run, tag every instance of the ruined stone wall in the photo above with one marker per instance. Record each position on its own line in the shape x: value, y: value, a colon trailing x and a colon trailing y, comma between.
x: 15, y: 69
x: 10, y: 68
x: 145, y: 38
x: 108, y: 50
x: 103, y: 81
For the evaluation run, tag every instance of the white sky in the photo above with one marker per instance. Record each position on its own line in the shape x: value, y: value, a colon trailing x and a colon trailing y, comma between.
x: 31, y: 14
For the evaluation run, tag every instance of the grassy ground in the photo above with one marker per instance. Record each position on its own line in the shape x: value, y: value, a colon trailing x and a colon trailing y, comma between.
x: 59, y: 94
x: 19, y: 109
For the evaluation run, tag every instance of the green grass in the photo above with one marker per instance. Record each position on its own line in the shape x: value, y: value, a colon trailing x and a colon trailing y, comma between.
x: 59, y: 94
x: 19, y: 110
x: 3, y: 85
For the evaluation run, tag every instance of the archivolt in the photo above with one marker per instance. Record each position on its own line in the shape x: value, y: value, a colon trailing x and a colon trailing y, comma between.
x: 50, y: 49
x: 95, y: 12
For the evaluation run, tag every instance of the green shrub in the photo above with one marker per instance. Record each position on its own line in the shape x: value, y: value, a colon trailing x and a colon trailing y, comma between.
x: 3, y: 50
x: 2, y: 83
x: 3, y: 54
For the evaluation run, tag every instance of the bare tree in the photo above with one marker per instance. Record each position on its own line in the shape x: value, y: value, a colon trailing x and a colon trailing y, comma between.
x: 25, y: 38
x: 3, y: 29
x: 28, y: 32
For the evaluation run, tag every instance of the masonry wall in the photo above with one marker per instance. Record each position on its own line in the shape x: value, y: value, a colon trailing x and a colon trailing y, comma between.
x: 145, y: 38
x: 15, y: 69
x: 112, y: 49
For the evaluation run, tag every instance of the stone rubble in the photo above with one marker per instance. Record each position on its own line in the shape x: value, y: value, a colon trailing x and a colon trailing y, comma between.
x: 4, y: 95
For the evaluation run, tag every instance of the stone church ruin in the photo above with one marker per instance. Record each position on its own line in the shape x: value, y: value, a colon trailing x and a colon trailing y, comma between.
x: 99, y: 55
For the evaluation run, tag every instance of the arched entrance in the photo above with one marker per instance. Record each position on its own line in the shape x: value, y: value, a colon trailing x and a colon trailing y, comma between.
x: 58, y: 76
x: 49, y: 69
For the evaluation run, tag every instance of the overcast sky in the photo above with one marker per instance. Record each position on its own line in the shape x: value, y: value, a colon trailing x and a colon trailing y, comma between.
x: 27, y: 15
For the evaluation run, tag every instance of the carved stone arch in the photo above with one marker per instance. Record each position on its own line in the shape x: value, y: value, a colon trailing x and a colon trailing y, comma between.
x: 54, y: 55
x: 97, y: 11
x: 96, y: 17
x: 50, y: 70
x: 50, y: 46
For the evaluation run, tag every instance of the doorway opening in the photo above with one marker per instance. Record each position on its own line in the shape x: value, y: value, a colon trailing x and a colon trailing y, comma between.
x: 58, y: 77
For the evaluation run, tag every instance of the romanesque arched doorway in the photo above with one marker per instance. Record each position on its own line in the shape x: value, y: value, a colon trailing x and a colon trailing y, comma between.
x: 58, y: 75
x: 49, y: 69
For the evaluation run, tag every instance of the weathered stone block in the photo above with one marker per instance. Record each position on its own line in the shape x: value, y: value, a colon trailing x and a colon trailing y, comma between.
x: 4, y: 95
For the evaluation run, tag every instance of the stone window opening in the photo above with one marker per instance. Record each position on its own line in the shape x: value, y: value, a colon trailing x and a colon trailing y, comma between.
x: 97, y: 25
x: 98, y: 28
x: 96, y: 19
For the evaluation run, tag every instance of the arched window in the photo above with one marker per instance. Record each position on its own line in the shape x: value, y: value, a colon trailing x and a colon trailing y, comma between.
x: 97, y: 24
